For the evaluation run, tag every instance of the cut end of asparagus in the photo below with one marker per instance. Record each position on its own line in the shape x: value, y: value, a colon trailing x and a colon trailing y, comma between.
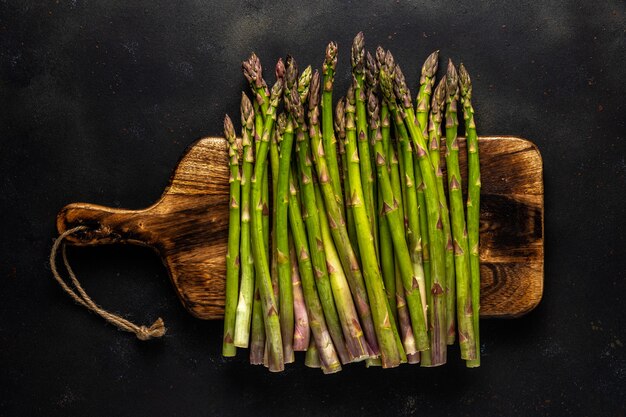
x: 330, y: 61
x: 358, y: 53
x: 452, y: 81
x: 465, y: 82
x: 430, y: 65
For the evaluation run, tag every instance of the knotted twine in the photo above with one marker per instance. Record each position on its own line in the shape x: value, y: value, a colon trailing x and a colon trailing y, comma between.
x: 157, y: 329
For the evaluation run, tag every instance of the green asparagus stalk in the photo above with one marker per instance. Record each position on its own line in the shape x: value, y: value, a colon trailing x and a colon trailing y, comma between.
x: 339, y: 232
x: 473, y: 203
x: 404, y: 320
x: 270, y: 310
x: 352, y: 331
x: 383, y: 321
x: 437, y: 314
x: 390, y: 210
x: 281, y: 223
x: 427, y: 81
x: 234, y: 227
x: 302, y: 331
x: 257, y: 333
x: 246, y: 288
x: 457, y: 213
x: 409, y: 194
x: 367, y: 175
x: 434, y: 133
x: 312, y: 221
x: 340, y: 129
x: 329, y: 139
x: 323, y: 342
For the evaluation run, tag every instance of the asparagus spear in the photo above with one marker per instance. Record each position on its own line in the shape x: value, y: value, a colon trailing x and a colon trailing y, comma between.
x: 390, y: 210
x: 339, y: 232
x: 286, y: 300
x: 367, y: 176
x: 353, y: 334
x: 383, y: 322
x: 329, y: 139
x: 437, y: 314
x: 473, y: 202
x: 323, y: 342
x: 434, y: 133
x: 253, y: 71
x: 270, y: 311
x: 340, y: 128
x: 312, y: 357
x: 234, y: 227
x: 312, y: 221
x: 427, y: 81
x: 459, y: 232
x: 302, y: 331
x: 246, y: 288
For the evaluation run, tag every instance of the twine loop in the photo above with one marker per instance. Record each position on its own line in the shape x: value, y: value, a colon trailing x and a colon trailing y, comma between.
x: 156, y: 330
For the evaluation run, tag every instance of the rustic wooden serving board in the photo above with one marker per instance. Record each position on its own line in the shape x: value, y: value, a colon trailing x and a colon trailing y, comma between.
x: 188, y: 226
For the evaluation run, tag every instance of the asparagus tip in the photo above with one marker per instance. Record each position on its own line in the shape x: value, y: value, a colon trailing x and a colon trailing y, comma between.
x: 371, y: 71
x: 380, y: 56
x: 340, y: 117
x: 291, y: 72
x: 229, y: 130
x: 280, y: 69
x: 358, y: 52
x: 314, y: 90
x: 452, y: 80
x: 439, y: 97
x: 331, y: 56
x: 465, y: 81
x: 304, y: 83
x: 430, y: 65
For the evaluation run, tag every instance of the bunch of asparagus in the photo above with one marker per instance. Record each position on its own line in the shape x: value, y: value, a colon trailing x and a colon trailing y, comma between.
x: 365, y: 251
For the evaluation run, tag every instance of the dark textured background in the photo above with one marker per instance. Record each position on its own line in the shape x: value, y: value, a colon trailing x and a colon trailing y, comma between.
x: 99, y: 100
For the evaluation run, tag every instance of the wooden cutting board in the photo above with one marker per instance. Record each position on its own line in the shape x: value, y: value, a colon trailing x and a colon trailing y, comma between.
x: 188, y: 226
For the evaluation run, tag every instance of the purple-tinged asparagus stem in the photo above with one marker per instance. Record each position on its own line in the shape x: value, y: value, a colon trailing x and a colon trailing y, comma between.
x: 257, y: 333
x: 323, y: 342
x: 302, y: 331
x: 352, y: 331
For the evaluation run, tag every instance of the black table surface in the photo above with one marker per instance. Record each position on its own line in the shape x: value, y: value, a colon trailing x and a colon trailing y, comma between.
x: 99, y: 100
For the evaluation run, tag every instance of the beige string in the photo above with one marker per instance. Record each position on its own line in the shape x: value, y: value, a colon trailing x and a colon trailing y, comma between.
x: 157, y: 329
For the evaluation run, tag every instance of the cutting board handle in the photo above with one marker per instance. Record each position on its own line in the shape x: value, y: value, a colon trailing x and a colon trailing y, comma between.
x: 106, y: 224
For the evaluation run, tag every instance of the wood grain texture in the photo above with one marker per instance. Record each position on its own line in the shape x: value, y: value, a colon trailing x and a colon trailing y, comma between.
x: 188, y: 226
